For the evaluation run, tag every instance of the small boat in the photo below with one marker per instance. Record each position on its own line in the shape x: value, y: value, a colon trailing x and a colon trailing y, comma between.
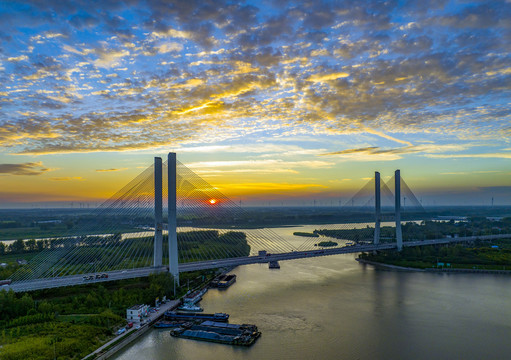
x: 188, y: 306
x: 274, y: 265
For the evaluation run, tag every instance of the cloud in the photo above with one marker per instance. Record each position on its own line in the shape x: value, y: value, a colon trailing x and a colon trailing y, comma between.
x: 374, y: 153
x: 18, y: 58
x: 468, y: 156
x: 30, y: 168
x: 265, y: 164
x: 383, y: 135
x: 247, y: 171
x: 67, y: 178
x: 327, y: 77
x: 268, y: 148
x: 110, y: 170
x: 169, y: 47
x: 109, y: 58
x: 196, y: 72
x: 264, y: 187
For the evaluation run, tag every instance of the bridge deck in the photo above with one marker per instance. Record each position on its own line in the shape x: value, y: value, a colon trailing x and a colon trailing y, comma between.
x: 47, y: 283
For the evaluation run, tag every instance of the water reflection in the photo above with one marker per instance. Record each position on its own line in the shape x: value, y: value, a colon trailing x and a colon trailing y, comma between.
x: 335, y: 308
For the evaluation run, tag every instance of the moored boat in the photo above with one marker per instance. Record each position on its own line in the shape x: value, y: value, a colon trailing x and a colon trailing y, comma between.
x: 231, y: 334
x: 195, y: 296
x: 172, y: 315
x: 168, y: 324
x: 190, y: 307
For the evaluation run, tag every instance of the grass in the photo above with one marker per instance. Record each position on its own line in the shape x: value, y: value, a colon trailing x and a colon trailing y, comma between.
x: 11, y: 258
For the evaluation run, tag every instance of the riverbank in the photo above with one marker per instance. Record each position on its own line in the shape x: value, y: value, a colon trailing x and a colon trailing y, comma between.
x: 442, y: 270
x: 118, y: 343
x: 387, y: 266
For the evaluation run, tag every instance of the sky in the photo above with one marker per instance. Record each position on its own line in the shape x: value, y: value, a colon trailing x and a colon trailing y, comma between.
x: 269, y: 101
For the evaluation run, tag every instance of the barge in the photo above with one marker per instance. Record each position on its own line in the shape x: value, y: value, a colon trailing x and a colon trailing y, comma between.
x: 173, y: 316
x: 231, y: 334
x: 168, y: 324
x: 223, y: 281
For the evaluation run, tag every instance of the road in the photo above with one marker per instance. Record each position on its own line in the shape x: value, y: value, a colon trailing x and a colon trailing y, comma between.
x: 148, y: 321
x: 47, y: 283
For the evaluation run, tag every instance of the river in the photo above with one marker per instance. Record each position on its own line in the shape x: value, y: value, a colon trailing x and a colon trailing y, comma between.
x: 335, y: 308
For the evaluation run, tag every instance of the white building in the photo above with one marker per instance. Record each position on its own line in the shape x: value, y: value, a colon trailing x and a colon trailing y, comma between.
x: 136, y: 312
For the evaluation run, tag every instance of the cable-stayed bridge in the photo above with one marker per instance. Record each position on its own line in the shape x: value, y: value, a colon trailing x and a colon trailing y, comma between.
x: 169, y: 219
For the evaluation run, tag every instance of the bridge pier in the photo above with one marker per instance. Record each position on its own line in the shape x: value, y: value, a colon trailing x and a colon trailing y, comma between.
x: 172, y: 220
x: 158, y: 221
x: 399, y: 235
x: 377, y: 205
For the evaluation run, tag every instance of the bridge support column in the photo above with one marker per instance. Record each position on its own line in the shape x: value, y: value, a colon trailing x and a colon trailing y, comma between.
x: 172, y: 198
x: 399, y: 235
x: 377, y: 208
x: 158, y: 221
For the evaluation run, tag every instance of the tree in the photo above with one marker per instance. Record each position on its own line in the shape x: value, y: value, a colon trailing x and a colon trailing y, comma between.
x: 31, y: 245
x: 17, y: 247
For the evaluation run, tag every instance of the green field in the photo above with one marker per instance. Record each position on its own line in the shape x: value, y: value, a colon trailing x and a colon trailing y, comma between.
x: 481, y: 256
x: 72, y: 322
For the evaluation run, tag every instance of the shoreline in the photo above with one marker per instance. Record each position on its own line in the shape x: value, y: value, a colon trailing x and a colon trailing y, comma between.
x: 432, y: 270
x: 388, y: 266
x: 119, y: 342
x: 122, y: 341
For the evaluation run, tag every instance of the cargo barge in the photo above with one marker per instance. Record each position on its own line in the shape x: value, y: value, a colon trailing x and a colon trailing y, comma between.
x: 223, y: 281
x: 173, y: 316
x: 231, y: 334
x: 168, y: 324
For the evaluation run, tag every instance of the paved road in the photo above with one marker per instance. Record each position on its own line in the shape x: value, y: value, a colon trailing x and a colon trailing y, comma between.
x: 212, y: 264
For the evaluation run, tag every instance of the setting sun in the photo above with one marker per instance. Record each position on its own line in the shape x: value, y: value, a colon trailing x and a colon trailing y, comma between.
x: 213, y: 201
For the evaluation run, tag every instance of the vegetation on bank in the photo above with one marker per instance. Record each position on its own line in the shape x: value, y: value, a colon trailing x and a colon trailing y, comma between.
x: 326, y: 243
x: 305, y: 234
x: 192, y: 245
x: 480, y: 255
x: 425, y: 230
x: 71, y: 322
x: 210, y: 244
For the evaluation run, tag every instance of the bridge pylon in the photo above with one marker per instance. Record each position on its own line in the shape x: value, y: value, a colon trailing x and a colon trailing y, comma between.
x: 172, y: 217
x: 399, y: 235
x: 377, y: 208
x: 158, y: 210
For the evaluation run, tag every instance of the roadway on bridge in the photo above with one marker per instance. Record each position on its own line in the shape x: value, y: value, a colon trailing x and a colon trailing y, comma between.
x: 47, y: 283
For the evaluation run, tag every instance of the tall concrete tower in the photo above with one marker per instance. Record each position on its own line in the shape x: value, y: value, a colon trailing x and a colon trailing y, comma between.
x: 399, y: 235
x: 377, y: 208
x: 173, y: 258
x: 158, y: 221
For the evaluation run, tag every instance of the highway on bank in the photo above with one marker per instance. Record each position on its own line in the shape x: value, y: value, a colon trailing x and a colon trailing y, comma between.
x: 47, y: 283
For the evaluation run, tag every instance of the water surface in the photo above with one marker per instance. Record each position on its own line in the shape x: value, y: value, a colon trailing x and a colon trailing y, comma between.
x: 334, y: 308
